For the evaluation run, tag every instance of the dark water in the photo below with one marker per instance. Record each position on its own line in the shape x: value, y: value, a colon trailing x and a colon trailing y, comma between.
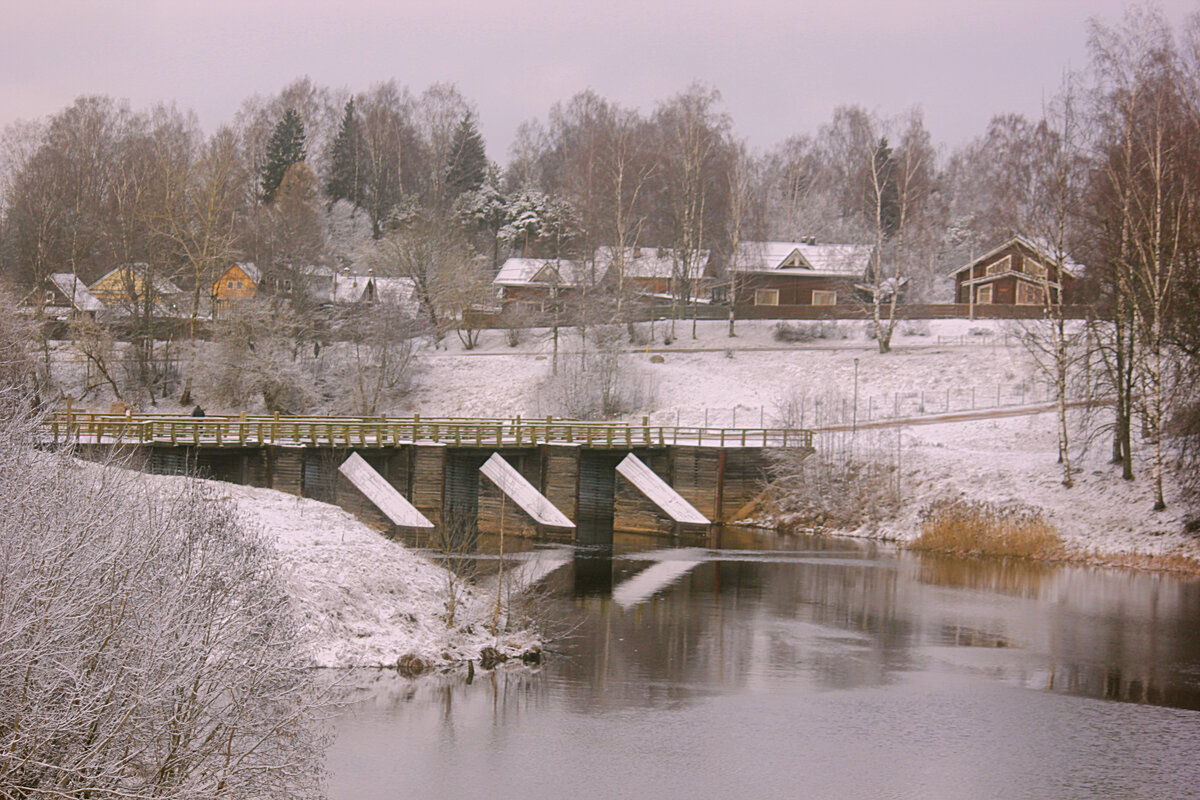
x: 808, y: 668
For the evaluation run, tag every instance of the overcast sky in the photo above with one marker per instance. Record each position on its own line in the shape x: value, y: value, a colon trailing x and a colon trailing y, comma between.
x: 781, y: 66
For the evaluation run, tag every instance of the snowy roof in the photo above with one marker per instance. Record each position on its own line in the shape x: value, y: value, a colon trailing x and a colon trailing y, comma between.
x: 367, y: 288
x: 539, y: 272
x: 644, y: 262
x: 801, y: 258
x: 81, y: 297
x: 252, y: 272
x: 1042, y: 248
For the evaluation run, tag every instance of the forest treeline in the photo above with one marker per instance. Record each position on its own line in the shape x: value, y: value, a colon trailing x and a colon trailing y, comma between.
x: 401, y: 183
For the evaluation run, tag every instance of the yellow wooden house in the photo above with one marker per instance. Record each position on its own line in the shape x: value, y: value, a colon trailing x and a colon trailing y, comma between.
x: 239, y: 282
x: 125, y: 287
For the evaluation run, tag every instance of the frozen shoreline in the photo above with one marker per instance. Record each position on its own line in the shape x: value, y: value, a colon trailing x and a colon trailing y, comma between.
x: 360, y: 599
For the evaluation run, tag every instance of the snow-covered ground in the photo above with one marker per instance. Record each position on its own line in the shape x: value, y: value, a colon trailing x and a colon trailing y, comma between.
x: 1005, y: 460
x: 362, y: 600
x: 753, y: 378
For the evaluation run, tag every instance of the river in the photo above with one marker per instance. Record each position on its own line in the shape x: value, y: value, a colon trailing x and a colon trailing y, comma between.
x: 765, y: 666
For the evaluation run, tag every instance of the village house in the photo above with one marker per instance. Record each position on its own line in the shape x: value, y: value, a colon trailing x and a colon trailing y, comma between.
x: 347, y: 289
x: 794, y: 274
x: 1018, y: 272
x: 64, y: 296
x: 239, y: 282
x: 650, y: 270
x: 534, y: 285
x: 125, y: 289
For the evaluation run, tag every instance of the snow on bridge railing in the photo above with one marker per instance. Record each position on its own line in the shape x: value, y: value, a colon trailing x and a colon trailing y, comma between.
x: 247, y: 430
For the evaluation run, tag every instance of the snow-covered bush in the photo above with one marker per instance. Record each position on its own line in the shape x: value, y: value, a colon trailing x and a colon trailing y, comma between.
x: 806, y: 331
x: 598, y: 382
x: 259, y: 360
x: 148, y: 647
x: 849, y: 482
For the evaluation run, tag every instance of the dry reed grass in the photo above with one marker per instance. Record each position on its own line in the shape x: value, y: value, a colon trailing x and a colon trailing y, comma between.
x: 971, y: 528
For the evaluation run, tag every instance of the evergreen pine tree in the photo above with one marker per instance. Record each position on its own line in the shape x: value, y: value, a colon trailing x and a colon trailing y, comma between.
x: 285, y: 148
x: 348, y: 174
x: 467, y: 164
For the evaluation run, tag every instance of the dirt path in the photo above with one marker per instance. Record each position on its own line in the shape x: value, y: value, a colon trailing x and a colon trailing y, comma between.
x: 961, y: 416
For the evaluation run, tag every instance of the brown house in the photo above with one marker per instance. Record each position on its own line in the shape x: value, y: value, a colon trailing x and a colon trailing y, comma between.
x: 1018, y: 272
x: 239, y: 282
x: 650, y: 270
x: 64, y: 296
x: 794, y: 274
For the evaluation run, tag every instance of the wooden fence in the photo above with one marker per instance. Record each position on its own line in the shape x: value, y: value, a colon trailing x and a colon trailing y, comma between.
x: 81, y: 427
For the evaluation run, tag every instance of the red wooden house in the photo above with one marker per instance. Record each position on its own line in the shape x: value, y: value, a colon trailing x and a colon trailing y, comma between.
x: 1019, y: 272
x: 795, y: 273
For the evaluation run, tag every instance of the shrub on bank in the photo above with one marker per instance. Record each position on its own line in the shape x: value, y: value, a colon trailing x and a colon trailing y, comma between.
x: 792, y: 332
x: 974, y: 528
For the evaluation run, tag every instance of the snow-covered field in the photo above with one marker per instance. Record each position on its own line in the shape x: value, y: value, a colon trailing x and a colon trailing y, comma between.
x: 1005, y: 460
x: 753, y: 378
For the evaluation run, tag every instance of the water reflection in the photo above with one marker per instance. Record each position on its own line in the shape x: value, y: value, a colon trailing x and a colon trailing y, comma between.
x: 681, y: 647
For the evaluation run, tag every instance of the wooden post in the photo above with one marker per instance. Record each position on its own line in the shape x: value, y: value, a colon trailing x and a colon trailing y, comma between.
x: 242, y: 429
x: 275, y: 428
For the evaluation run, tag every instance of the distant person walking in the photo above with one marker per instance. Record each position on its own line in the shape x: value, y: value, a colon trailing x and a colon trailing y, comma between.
x: 197, y: 411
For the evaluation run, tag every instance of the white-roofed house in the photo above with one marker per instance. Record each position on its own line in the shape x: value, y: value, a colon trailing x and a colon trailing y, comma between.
x: 1017, y: 272
x: 649, y: 270
x: 64, y: 295
x: 124, y: 291
x: 400, y: 292
x: 796, y: 273
x: 530, y: 285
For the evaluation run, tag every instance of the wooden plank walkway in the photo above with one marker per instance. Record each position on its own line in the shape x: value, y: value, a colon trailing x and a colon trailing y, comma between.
x: 363, y: 432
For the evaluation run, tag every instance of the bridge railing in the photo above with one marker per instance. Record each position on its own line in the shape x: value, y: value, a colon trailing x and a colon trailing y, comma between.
x: 383, y: 431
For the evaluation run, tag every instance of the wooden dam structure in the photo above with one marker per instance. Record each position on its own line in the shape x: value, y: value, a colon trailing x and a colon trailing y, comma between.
x: 487, y: 474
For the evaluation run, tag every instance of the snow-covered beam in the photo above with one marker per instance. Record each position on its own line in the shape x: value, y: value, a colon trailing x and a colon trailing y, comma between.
x: 382, y: 494
x: 672, y: 565
x: 521, y: 492
x: 657, y: 491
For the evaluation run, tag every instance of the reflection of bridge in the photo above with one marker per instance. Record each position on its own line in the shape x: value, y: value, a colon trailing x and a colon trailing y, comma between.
x: 435, y: 463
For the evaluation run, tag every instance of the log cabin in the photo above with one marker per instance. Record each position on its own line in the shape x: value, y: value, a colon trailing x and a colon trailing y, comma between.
x: 794, y: 274
x: 1019, y: 272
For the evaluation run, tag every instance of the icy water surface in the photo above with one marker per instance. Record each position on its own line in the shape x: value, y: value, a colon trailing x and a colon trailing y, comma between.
x: 783, y: 667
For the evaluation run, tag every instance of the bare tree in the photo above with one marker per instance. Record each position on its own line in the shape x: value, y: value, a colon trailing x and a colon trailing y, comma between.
x: 1147, y: 186
x: 374, y: 361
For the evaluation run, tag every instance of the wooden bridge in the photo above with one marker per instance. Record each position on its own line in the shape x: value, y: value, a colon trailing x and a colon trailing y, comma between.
x: 435, y: 462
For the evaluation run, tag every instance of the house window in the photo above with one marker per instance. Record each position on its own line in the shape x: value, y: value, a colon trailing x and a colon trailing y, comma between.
x: 228, y: 284
x: 983, y: 295
x: 766, y: 297
x: 49, y: 298
x: 999, y: 267
x: 1035, y: 268
x: 1028, y: 295
x: 823, y: 298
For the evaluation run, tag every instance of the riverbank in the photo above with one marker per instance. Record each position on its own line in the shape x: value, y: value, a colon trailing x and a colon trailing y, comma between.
x: 361, y: 600
x: 1013, y: 462
x: 754, y: 379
